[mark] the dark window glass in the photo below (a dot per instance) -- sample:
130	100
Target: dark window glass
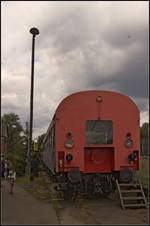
52	137
99	132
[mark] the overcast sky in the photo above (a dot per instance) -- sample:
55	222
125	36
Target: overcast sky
82	46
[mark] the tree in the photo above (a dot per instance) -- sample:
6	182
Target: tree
14	129
40	139
16	142
144	138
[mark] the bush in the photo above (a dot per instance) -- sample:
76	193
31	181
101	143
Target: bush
18	164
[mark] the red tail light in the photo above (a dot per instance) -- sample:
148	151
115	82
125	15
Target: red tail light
61	159
61	163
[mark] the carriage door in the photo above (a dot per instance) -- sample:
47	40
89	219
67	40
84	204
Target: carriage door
99	150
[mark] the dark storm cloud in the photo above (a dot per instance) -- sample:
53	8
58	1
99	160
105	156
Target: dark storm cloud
72	32
112	59
71	29
131	79
81	46
134	79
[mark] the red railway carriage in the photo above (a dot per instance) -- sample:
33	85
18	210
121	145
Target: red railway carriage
93	133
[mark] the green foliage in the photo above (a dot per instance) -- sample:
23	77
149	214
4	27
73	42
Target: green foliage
40	139
14	129
17	145
144	139
36	165
37	187
40	181
144	130
143	173
23	180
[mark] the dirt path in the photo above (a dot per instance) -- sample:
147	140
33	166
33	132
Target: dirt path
23	208
101	212
107	211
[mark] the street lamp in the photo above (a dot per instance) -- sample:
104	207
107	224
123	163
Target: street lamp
34	31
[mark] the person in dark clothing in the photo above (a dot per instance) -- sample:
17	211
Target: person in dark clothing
34	168
7	167
2	167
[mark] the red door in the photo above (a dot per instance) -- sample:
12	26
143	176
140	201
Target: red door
99	159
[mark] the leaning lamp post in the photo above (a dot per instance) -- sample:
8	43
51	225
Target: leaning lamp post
34	31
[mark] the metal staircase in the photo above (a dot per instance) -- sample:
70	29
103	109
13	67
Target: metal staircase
131	195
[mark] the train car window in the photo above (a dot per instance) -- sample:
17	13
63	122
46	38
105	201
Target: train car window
52	138
99	132
48	140
47	144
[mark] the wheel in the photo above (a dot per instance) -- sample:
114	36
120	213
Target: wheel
71	193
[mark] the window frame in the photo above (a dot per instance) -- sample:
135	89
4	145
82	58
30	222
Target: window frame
110	136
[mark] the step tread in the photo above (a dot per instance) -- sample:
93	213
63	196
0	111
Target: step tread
137	190
129	184
128	205
134	198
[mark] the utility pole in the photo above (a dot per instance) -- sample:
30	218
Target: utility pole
27	134
34	31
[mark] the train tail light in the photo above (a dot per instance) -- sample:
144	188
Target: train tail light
69	157
69	143
61	164
128	143
61	159
132	157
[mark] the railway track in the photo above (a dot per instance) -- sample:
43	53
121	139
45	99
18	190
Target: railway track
90	211
64	208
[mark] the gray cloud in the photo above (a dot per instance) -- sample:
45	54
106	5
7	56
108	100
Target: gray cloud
81	46
131	78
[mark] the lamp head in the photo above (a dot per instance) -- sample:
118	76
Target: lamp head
34	31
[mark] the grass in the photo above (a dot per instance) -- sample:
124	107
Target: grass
37	187
143	173
23	180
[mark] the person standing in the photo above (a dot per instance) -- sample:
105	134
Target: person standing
9	166
5	169
11	179
2	167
